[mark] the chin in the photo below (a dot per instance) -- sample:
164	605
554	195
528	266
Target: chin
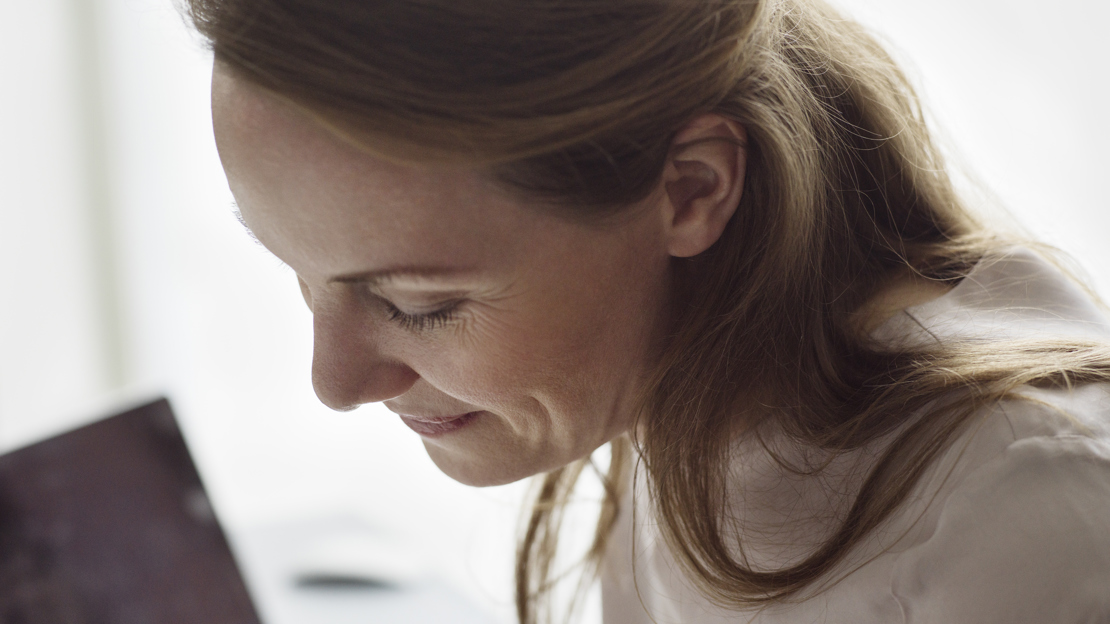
477	472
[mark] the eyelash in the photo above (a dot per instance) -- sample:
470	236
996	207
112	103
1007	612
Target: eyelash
422	322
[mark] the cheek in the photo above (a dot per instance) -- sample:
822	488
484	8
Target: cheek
568	346
568	336
503	358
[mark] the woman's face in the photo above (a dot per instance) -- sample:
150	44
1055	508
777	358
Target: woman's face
512	340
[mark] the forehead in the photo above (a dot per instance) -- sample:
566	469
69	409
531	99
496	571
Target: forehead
321	203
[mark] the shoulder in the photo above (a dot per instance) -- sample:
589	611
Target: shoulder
1025	535
1013	293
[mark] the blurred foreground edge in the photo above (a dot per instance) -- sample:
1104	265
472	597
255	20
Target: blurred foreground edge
109	524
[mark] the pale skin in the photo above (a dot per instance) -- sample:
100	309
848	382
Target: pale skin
439	293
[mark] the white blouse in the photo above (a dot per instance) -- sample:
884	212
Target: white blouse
1011	525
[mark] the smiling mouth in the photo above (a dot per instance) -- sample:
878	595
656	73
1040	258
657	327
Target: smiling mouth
436	427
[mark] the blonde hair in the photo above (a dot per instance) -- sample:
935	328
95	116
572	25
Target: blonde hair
576	103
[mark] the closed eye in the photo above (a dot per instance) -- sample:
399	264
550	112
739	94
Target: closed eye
422	322
239	217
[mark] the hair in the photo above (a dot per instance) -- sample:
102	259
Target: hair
576	103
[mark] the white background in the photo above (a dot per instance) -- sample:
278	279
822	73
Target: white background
125	274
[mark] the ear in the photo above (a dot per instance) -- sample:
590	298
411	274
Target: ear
703	180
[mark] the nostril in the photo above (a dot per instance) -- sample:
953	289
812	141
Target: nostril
349	367
344	386
329	400
305	293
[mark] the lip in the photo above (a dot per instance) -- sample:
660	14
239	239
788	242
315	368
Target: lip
440	426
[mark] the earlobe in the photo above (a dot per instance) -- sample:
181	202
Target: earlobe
703	181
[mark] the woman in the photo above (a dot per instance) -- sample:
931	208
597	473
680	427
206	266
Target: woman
713	234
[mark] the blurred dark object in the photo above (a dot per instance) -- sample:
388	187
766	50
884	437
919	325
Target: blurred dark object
109	524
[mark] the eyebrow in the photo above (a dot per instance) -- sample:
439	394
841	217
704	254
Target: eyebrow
369	277
388	275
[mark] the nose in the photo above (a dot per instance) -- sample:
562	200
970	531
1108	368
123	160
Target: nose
348	366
